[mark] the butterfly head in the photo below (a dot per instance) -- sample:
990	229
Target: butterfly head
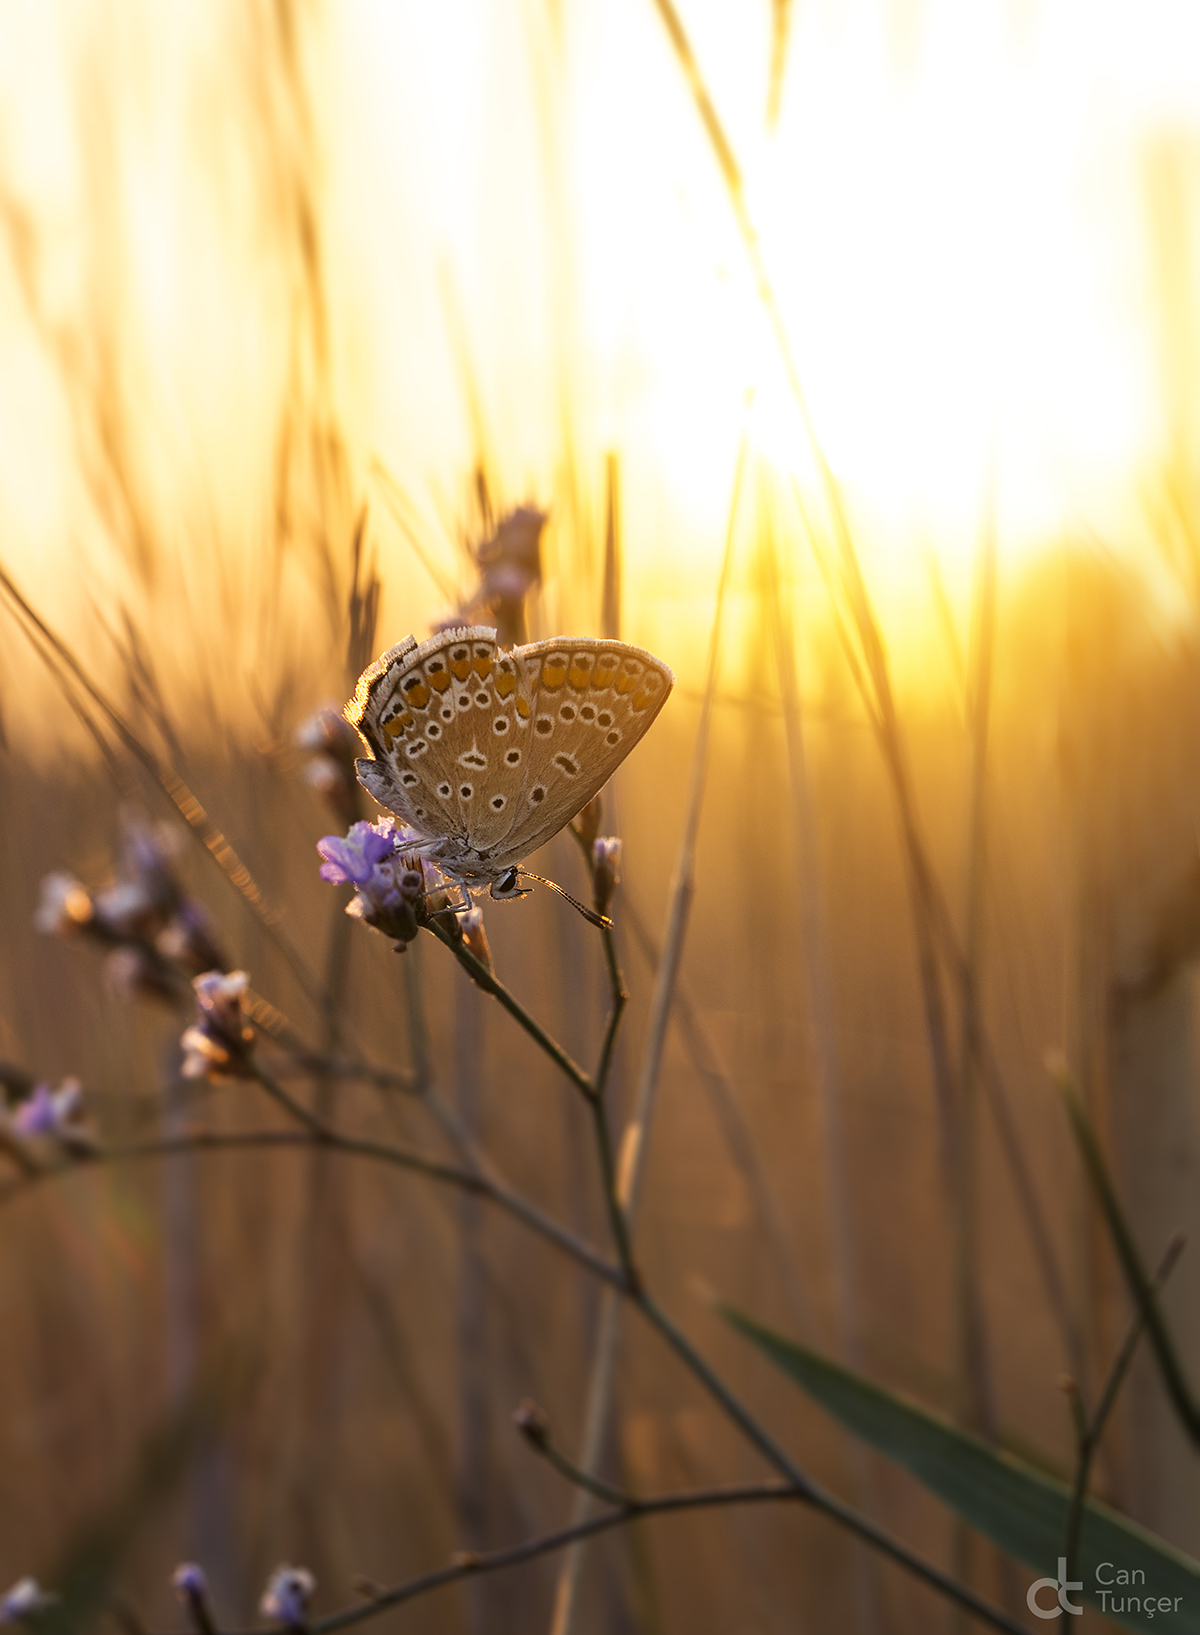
508	885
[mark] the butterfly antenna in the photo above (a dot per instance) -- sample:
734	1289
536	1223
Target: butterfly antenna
601	920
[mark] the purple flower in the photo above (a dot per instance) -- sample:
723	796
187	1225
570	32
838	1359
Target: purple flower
353	860
218	1042
390	886
286	1597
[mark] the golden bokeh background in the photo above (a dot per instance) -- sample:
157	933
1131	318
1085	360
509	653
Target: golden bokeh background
920	299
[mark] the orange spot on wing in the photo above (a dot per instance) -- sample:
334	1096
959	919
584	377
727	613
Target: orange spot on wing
394	727
439	678
483	665
627	681
505	683
523	709
416	692
579	676
461	668
554	673
606	669
640	700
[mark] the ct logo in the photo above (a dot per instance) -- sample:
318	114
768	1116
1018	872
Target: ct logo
1060	1586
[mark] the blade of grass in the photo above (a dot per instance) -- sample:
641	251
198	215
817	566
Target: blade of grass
1141	1288
631	1168
814	950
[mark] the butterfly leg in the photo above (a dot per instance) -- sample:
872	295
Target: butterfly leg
464	907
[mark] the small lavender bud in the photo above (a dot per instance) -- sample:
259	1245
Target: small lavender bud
54	1116
220	1040
533	1423
606	871
25	1602
188	1581
286	1597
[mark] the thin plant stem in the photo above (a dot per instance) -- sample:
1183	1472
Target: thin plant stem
315	1125
201	1141
467	1566
978	1408
935	911
820	1500
1140	1285
619	999
623	1201
485	979
815	963
702	1499
541	1443
172	785
731	1120
1088	1433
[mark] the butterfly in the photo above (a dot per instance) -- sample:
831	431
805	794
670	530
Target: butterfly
485	754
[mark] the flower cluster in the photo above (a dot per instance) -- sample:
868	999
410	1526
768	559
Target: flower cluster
390	885
142	916
332	746
219	1042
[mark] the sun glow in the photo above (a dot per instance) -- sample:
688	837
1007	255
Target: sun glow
525	240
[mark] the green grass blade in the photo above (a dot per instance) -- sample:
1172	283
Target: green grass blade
1021	1510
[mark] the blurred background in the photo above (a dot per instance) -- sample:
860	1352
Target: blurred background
892	302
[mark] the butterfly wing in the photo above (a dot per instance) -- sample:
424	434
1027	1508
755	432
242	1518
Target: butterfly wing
492	752
589	703
425	711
